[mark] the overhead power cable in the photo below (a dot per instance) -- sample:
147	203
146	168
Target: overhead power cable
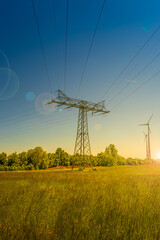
55	33
34	124
130	61
41	43
137	88
143	56
66	42
142	70
34	128
18	132
24	118
90	47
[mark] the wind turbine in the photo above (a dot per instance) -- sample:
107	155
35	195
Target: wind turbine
148	136
146	141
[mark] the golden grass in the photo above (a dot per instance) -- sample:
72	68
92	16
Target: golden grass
121	202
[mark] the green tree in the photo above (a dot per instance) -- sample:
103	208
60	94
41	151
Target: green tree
38	158
111	150
23	159
13	159
105	159
3	159
121	160
61	157
51	159
131	161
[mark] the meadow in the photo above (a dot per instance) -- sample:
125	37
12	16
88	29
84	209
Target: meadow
121	202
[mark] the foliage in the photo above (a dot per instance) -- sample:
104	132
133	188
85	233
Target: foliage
131	161
111	151
121	160
13	160
3	159
61	157
37	158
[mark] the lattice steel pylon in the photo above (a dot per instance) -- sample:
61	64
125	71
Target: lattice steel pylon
82	145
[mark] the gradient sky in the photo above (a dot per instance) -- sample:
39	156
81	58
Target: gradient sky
124	27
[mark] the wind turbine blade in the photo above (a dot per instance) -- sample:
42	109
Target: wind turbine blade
143	124
150	118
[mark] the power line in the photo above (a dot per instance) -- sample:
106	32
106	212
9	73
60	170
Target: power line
55	32
131	93
133	69
33	127
17	118
41	43
144	68
143	56
131	60
18	114
18	131
35	124
66	38
90	47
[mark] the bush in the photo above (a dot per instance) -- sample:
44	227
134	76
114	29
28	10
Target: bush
80	169
131	161
29	167
2	168
121	160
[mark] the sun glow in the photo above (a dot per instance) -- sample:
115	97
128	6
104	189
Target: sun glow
158	155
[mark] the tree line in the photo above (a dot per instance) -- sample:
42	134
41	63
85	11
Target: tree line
37	158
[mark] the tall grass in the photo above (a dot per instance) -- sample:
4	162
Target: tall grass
121	202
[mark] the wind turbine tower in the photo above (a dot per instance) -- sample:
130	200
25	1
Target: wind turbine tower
146	141
148	136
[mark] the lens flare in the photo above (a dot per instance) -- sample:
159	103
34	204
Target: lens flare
145	28
4	62
4	80
30	96
9	83
41	101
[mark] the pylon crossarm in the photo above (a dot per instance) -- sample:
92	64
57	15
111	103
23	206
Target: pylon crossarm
63	99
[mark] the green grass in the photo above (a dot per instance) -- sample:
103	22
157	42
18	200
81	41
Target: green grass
121	202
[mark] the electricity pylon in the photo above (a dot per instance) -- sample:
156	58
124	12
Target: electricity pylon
148	136
146	142
82	144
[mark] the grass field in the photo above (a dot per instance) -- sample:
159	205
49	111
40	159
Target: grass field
121	202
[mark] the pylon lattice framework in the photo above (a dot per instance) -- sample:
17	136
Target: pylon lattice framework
82	145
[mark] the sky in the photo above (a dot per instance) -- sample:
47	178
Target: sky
124	27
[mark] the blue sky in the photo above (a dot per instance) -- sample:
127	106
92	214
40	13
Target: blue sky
123	29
